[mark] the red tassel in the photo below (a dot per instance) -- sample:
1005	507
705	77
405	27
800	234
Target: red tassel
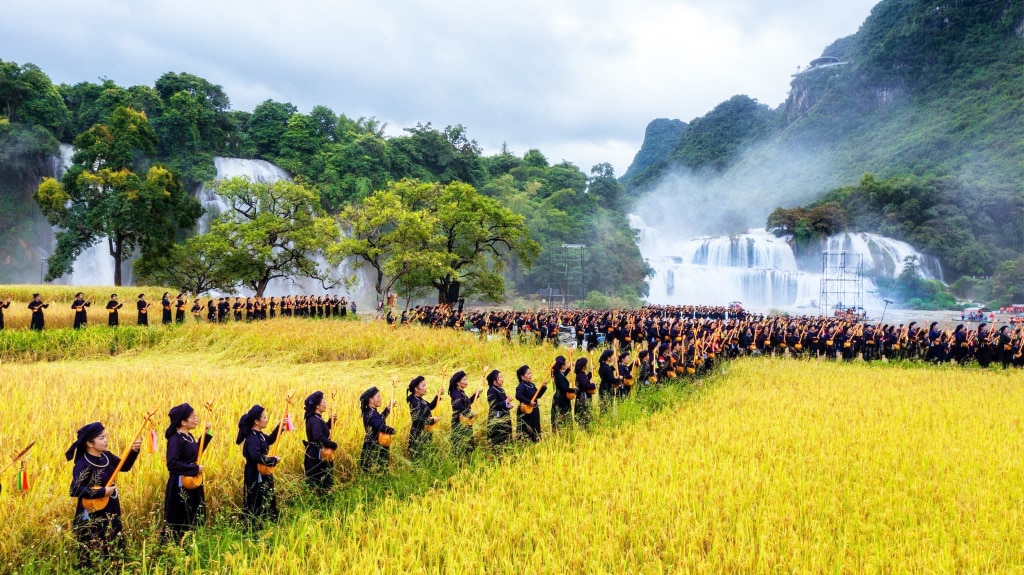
152	441
23	478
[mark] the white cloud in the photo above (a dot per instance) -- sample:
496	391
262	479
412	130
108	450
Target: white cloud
577	79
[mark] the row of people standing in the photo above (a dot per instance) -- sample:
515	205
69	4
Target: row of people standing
174	309
99	531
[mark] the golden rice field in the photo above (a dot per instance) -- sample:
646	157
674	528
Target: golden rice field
60	314
775	466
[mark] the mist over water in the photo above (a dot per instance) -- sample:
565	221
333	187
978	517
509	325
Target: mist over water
704	236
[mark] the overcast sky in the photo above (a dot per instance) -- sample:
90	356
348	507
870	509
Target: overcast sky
578	79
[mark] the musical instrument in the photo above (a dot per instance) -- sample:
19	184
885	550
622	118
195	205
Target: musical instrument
197	481
17	457
527	409
100	503
327	453
384	439
272	452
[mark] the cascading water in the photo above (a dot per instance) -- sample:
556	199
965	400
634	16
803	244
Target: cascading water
254	170
266	172
95	266
760	269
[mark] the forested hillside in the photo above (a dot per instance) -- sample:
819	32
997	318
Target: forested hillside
343	160
927	98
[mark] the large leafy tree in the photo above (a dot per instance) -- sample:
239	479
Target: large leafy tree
386	234
271	231
477	235
194	124
110	192
196	266
28	97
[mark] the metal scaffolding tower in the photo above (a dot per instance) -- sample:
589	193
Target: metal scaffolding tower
572	273
842	282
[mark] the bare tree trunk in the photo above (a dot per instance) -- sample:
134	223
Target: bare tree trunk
115	252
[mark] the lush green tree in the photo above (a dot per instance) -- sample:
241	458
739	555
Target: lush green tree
1008	282
109	192
28	97
267	125
444	155
193	126
476	235
386	234
196	266
273	230
605	187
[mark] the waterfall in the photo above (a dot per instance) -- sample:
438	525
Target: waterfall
760	269
95	265
266	172
254	170
882	255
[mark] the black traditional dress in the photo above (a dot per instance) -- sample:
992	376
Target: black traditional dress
184	509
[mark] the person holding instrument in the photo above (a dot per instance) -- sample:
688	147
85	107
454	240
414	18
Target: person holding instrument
527	394
462	414
376	453
561	405
184	508
36	305
112	306
142	307
79	305
609	382
259	498
318	459
421	412
585	396
499	422
99	532
4	305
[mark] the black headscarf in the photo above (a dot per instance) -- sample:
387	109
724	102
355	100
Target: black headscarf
85	434
416	381
581	364
522	371
312	402
605	355
493	377
246	422
453	383
559	364
177	414
365	397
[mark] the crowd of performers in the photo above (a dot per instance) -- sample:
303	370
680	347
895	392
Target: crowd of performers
667	331
213	309
682	338
630	349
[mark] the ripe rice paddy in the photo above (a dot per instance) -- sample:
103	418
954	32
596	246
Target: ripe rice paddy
772	466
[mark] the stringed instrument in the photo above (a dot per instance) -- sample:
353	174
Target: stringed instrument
527	409
100	503
570	395
17	457
384	439
272	452
467	418
197	481
431	427
327	453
